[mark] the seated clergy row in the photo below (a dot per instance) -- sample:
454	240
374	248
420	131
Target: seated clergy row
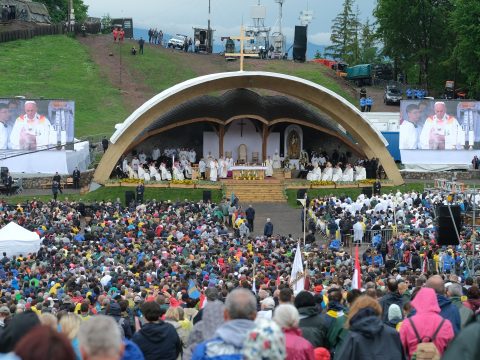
336	174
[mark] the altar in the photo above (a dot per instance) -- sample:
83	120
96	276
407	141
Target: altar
248	172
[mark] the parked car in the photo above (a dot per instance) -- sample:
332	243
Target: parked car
177	42
392	95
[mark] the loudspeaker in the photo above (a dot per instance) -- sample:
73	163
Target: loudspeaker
367	191
3	173
446	229
301	193
129	197
207	195
300	43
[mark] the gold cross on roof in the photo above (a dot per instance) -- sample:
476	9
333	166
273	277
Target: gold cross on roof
241	54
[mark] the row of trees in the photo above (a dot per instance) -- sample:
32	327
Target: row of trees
429	41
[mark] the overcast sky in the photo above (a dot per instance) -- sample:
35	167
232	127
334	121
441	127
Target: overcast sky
179	16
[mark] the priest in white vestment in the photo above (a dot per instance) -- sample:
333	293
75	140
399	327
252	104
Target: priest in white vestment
165	173
141	172
269	165
188	170
360	173
277	164
202	168
177	172
131	173
229	163
213	170
327	173
337	173
146	175
315	174
348	173
192	156
154	174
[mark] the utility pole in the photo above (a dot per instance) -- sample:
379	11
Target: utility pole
70	16
209	43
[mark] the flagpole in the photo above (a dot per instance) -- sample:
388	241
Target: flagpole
304	222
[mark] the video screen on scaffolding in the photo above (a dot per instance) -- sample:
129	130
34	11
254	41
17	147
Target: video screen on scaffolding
32	124
439	124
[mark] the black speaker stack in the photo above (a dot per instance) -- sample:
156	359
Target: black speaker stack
446	230
129	197
300	44
207	196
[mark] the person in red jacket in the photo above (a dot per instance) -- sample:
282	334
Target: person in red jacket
115	34
426	322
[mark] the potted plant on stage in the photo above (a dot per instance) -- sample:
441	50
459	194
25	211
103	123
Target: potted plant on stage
322	184
185	184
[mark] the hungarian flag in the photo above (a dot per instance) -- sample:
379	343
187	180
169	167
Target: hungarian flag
357	273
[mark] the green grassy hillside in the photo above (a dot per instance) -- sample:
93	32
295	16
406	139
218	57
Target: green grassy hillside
62	67
58	67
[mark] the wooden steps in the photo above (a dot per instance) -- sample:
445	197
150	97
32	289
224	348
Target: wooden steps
268	190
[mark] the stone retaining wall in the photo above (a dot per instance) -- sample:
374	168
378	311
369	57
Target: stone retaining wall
38	182
461	175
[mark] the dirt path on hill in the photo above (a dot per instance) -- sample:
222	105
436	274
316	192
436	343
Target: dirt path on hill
135	91
106	56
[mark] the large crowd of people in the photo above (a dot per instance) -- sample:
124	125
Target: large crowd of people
163	280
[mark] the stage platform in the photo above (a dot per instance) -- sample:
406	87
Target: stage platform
47	161
437	160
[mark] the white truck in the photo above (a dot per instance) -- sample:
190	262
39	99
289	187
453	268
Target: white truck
177	41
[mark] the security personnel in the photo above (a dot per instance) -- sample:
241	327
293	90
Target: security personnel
76	178
140	190
368	104
363	103
408	92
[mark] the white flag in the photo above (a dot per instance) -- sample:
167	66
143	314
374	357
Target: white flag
302	201
297	277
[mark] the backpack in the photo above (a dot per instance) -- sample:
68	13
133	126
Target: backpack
426	349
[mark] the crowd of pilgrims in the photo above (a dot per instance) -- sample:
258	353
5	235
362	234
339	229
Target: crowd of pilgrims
166	273
178	164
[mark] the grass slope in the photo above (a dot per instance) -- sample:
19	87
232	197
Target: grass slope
160	69
58	67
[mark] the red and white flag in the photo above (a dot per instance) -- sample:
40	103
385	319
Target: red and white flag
357	273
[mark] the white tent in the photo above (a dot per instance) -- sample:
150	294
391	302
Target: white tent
16	240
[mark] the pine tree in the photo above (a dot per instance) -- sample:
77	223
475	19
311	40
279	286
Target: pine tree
344	35
368	44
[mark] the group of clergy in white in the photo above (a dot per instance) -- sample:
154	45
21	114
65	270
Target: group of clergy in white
179	153
217	168
336	174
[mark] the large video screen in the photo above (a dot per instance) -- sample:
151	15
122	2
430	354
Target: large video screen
36	124
439	124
